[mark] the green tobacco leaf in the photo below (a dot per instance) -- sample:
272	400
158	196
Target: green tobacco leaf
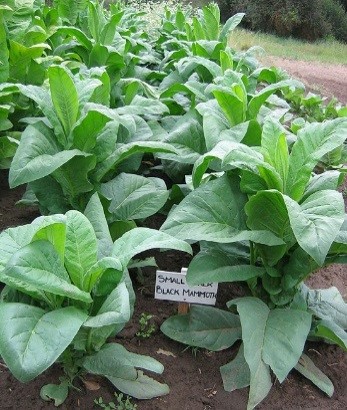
236	375
4	53
49	195
259	99
316	222
214	122
127	150
267	211
95	213
113	359
328	180
56	392
87	129
232	154
64	97
143	387
77	34
204	326
307	368
314	141
13	239
42	98
214	212
39	265
142	239
73	177
31	340
115	309
211	23
230	25
188	138
22	60
144	106
232	104
275	144
269	341
80	247
134	196
327	304
54	233
329	330
70	10
218	263
107	265
297	269
38	155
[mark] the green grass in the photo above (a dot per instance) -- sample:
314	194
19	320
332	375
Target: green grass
325	51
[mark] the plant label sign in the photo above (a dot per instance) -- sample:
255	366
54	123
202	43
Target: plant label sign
173	286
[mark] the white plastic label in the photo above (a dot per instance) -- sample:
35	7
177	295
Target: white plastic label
173	286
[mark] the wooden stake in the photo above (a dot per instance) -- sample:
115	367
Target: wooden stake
183	308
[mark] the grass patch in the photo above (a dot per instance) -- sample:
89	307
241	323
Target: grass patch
324	51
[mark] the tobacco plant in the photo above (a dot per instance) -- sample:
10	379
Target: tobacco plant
67	292
269	221
81	146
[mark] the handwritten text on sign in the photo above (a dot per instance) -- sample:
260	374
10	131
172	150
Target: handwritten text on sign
173	286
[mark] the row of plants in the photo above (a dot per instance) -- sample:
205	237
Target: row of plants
107	122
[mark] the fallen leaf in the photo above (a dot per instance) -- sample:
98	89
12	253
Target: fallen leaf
165	353
91	385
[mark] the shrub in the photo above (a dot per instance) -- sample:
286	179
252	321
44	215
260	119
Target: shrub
306	20
337	17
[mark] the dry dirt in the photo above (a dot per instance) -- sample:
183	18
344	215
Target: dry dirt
195	382
326	79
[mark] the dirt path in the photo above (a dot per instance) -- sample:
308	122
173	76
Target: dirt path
326	79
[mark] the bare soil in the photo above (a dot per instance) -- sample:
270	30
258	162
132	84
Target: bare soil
194	379
326	79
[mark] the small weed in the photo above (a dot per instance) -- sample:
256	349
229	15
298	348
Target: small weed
123	403
146	327
194	350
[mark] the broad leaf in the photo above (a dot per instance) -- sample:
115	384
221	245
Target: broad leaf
236	375
38	155
95	213
31	339
113	356
115	309
266	210
204	326
127	150
274	143
64	97
214	212
134	197
308	369
269	341
230	25
87	129
330	331
314	141
143	387
259	99
4	53
39	265
316	222
219	263
327	304
142	239
80	247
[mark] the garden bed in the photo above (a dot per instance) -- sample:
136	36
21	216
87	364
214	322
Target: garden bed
193	375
